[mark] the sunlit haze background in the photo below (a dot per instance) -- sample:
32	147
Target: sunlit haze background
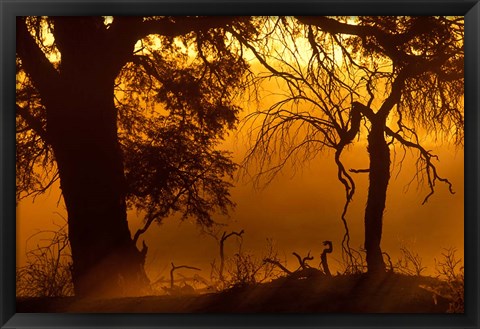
298	210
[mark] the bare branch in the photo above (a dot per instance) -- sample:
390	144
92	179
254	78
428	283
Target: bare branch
34	123
359	171
174	268
430	168
173	26
323	256
224	238
278	264
303	261
36	65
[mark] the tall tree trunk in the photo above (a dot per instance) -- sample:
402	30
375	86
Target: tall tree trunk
379	176
83	131
82	127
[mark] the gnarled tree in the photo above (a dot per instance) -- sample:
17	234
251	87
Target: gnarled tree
386	80
125	111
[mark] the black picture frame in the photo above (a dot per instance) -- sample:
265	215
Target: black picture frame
9	9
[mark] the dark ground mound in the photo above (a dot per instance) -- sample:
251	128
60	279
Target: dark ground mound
391	293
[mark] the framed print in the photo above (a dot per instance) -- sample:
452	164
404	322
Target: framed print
239	164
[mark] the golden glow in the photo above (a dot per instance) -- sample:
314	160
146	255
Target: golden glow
302	206
46	42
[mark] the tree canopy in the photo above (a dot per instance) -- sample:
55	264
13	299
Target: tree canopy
126	112
390	81
174	98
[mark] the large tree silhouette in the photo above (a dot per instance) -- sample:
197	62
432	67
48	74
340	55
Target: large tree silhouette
388	80
122	119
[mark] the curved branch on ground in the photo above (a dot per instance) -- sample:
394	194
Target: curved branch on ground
174	268
323	256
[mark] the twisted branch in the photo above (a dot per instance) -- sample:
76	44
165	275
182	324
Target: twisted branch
426	156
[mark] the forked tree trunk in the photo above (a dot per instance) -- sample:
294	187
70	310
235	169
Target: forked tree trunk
379	176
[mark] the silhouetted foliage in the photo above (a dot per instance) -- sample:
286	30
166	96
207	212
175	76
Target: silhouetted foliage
244	267
47	272
174	112
450	270
409	262
35	166
126	112
129	112
387	80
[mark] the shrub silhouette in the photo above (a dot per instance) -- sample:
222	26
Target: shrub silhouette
410	262
450	270
48	269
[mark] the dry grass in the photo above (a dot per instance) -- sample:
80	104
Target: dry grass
48	269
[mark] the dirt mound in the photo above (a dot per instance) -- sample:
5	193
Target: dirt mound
391	293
